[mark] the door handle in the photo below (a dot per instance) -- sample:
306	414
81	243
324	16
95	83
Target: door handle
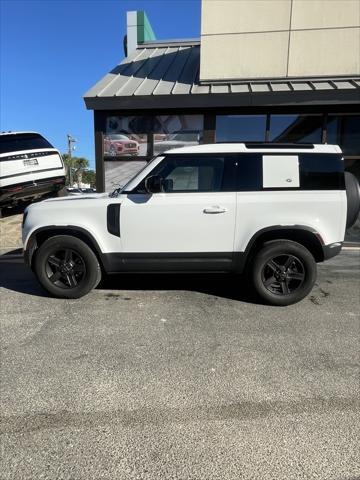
214	209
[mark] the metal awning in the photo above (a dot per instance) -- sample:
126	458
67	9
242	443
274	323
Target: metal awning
166	75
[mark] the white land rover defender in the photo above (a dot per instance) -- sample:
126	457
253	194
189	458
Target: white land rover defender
268	210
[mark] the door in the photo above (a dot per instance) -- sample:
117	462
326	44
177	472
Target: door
193	219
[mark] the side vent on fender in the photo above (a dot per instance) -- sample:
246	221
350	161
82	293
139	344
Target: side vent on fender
113	219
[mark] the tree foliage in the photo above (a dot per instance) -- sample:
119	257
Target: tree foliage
80	170
89	177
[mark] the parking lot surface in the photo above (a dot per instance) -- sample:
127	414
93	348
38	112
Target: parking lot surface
162	377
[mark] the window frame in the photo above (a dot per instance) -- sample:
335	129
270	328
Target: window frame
228	176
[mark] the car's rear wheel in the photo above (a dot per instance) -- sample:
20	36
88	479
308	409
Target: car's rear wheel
67	267
283	272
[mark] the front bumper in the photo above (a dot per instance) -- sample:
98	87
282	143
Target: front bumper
331	250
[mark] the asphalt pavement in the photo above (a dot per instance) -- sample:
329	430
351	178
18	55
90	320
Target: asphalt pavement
180	377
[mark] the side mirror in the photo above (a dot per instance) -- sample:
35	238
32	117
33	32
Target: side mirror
154	184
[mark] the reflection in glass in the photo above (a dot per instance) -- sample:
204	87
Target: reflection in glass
175	131
296	128
119	172
116	145
240	128
126	136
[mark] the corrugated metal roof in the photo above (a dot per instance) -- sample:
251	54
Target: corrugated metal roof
157	70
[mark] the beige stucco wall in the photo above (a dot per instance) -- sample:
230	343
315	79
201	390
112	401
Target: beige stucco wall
279	38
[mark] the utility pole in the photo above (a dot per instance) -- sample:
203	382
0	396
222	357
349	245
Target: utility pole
71	147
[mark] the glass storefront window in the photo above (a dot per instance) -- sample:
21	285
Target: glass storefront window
296	128
240	128
174	131
126	137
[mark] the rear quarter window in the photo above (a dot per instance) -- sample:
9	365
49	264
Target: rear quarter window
321	171
318	171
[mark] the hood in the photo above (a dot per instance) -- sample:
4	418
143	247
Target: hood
74	198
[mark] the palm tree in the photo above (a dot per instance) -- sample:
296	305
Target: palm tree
77	164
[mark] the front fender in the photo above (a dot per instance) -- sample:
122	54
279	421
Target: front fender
37	235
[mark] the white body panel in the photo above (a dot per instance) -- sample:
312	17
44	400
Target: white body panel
281	171
242	148
88	213
322	211
178	222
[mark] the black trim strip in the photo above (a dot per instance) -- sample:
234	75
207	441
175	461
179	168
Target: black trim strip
28	173
24	156
168	262
277	146
332	250
113	219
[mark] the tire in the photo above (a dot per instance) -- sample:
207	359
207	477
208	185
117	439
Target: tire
283	272
66	267
353	199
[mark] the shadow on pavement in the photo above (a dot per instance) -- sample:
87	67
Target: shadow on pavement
15	276
228	286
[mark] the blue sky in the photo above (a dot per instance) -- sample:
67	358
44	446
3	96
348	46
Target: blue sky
53	51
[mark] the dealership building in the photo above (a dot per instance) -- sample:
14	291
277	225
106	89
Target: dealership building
268	70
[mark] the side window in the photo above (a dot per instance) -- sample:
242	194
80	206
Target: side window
195	173
321	171
249	172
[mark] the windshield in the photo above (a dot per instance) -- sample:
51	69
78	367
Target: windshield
23	141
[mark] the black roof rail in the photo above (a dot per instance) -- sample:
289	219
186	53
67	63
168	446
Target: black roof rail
278	145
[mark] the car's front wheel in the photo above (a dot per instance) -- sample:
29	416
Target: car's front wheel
283	272
67	267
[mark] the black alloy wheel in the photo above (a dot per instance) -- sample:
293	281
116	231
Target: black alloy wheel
283	274
65	268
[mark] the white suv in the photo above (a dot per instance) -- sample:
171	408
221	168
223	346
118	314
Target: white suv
30	168
270	211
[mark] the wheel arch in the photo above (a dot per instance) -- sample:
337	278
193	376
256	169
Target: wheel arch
40	235
306	236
